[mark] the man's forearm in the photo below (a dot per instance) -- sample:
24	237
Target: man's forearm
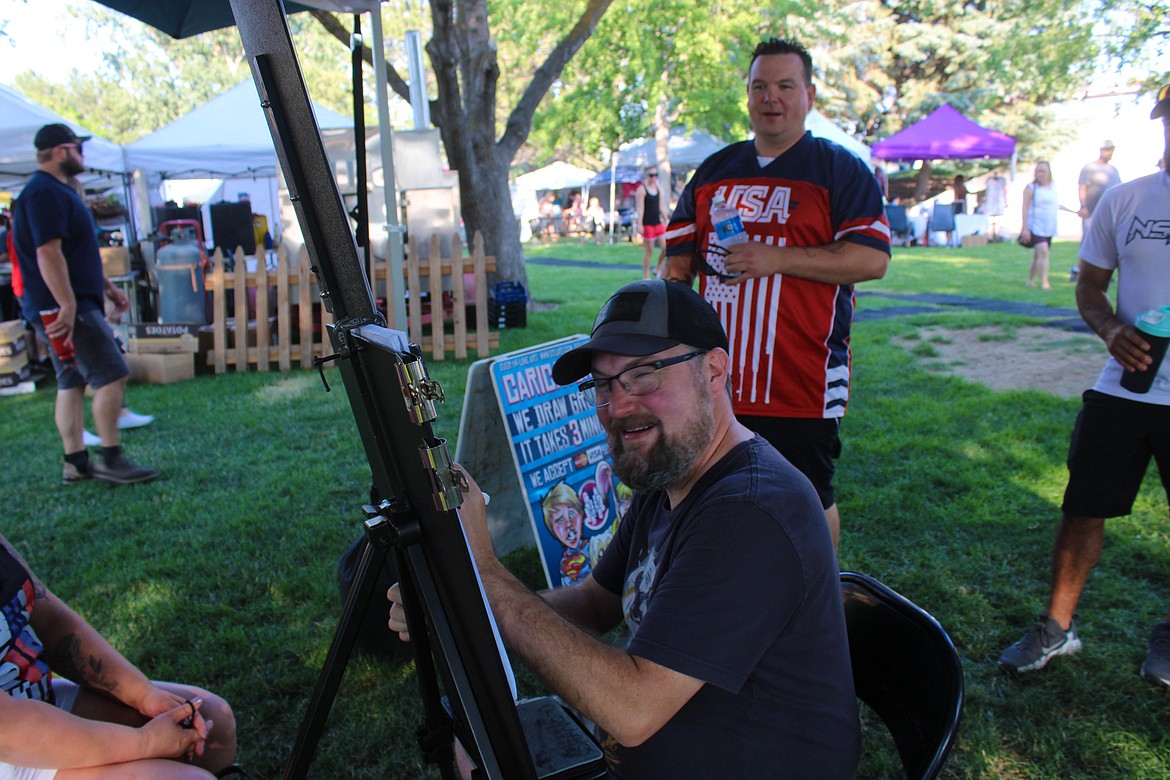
628	697
841	262
1096	310
558	652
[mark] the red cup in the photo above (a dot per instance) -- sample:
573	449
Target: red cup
63	348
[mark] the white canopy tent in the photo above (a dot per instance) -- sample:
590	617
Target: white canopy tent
555	176
227	138
558	175
685	150
20	118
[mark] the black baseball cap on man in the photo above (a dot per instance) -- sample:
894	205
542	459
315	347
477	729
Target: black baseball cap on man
1162	107
643	318
54	135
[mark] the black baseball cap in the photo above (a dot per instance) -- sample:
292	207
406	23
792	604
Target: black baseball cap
643	318
54	135
1162	107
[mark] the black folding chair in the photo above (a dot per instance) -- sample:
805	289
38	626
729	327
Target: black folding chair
943	220
906	669
899	223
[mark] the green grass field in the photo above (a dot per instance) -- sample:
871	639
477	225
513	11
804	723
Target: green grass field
224	572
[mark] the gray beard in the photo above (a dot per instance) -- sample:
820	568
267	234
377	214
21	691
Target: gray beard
671	458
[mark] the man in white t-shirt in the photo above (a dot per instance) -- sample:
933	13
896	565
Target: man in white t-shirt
1117	431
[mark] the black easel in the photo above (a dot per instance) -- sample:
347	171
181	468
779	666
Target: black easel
410	466
393	402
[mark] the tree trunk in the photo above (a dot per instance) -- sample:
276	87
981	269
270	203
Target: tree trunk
463	57
662	129
922	184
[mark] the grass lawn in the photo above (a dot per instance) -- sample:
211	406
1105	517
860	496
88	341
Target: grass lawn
224	572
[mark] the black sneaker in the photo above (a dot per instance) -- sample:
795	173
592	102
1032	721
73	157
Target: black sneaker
1156	669
71	474
1044	641
121	471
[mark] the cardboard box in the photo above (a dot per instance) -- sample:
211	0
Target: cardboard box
11	331
10	348
14	378
161	338
115	260
161	369
974	240
12	363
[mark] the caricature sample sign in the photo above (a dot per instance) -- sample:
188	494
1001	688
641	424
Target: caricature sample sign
562	460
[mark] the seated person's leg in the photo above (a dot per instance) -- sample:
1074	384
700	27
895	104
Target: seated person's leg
153	769
220	749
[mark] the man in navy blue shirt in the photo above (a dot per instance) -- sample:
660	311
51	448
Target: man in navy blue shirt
56	246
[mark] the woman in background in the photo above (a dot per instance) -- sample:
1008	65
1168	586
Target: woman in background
1039	223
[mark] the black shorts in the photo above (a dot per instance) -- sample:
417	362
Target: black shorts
810	444
99	354
1110	451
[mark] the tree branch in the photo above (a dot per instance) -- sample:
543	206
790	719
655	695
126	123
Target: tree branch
339	31
520	120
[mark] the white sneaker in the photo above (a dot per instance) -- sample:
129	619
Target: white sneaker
90	440
129	419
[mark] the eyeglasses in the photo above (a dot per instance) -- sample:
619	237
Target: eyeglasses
72	146
639	380
651	174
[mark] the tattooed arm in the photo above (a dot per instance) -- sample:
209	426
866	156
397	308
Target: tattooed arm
77	652
37	734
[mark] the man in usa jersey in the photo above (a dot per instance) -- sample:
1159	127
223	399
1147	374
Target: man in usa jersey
814	215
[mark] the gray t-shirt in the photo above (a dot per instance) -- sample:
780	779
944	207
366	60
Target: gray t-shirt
1130	234
1097	177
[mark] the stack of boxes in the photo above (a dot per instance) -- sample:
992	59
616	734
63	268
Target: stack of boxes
508	305
14	369
162	352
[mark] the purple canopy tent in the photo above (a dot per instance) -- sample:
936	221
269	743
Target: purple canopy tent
945	135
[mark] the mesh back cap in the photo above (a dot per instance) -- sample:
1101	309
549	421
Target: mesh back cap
642	318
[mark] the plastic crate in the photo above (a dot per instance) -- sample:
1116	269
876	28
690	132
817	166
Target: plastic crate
509	292
508	305
507	315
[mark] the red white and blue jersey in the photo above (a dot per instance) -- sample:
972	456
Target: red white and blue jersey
789	337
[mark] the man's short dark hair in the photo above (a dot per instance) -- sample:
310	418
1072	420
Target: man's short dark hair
783	46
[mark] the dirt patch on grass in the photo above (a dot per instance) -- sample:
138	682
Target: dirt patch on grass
1051	360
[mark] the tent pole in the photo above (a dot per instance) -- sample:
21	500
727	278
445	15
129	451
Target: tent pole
612	195
395	301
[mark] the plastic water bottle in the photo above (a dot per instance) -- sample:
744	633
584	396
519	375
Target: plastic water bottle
727	223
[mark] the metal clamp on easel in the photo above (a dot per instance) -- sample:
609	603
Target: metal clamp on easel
343	331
